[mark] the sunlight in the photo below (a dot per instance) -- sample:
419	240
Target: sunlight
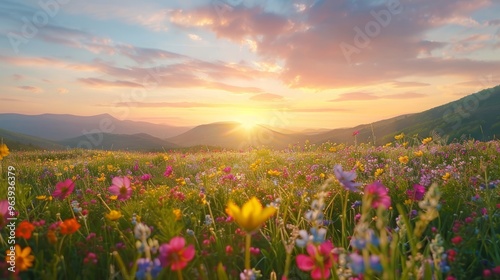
248	122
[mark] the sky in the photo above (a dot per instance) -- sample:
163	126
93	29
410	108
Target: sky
293	64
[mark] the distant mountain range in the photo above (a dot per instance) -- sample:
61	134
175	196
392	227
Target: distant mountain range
474	116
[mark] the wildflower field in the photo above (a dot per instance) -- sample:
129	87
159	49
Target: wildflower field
411	209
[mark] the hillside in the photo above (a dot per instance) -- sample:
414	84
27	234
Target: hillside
474	116
107	141
60	127
233	135
19	141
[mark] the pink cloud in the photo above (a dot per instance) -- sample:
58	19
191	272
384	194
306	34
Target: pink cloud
31	89
398	84
363	96
100	83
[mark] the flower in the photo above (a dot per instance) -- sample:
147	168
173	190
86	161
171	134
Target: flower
146	177
168	171
378	194
417	193
319	260
64	189
399	136
4	151
356	132
177	214
121	188
175	255
251	216
418	153
427	140
21	257
69	226
113	215
346	178
5	213
403	159
24	229
379	172
446	176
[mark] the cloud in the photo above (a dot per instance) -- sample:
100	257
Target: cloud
194	37
17	77
319	110
398	84
62	91
267	97
31	89
170	105
100	83
11	100
362	96
308	42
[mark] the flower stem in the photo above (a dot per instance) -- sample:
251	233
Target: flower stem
248	242
179	274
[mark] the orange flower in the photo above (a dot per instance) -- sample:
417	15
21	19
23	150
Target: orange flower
24	229
51	236
21	257
69	226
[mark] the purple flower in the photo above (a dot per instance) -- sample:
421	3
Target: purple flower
346	178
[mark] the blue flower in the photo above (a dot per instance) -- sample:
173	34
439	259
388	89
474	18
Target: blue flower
346	178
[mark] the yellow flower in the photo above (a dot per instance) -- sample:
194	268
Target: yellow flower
113	215
113	197
399	136
251	216
427	140
4	151
360	166
379	172
388	144
41	197
446	176
22	258
177	214
403	159
405	144
332	149
273	172
418	153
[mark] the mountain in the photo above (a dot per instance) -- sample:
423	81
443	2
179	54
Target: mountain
107	141
60	127
474	116
233	135
19	141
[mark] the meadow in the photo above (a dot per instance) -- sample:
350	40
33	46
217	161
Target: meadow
411	209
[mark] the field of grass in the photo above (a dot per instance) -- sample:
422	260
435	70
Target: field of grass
411	209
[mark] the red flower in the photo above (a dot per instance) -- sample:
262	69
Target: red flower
456	240
24	229
64	189
175	255
319	261
69	226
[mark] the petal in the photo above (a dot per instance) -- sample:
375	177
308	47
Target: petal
177	243
233	210
311	250
304	262
117	181
188	253
126	181
319	273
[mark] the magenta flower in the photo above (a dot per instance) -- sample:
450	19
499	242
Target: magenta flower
319	260
64	189
146	177
417	193
175	254
378	194
5	213
168	171
346	178
121	188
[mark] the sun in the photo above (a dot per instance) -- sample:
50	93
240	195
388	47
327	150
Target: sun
248	123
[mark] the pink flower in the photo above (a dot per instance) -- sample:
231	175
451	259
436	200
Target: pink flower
121	188
378	194
146	177
64	189
5	213
175	255
168	171
319	261
417	193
